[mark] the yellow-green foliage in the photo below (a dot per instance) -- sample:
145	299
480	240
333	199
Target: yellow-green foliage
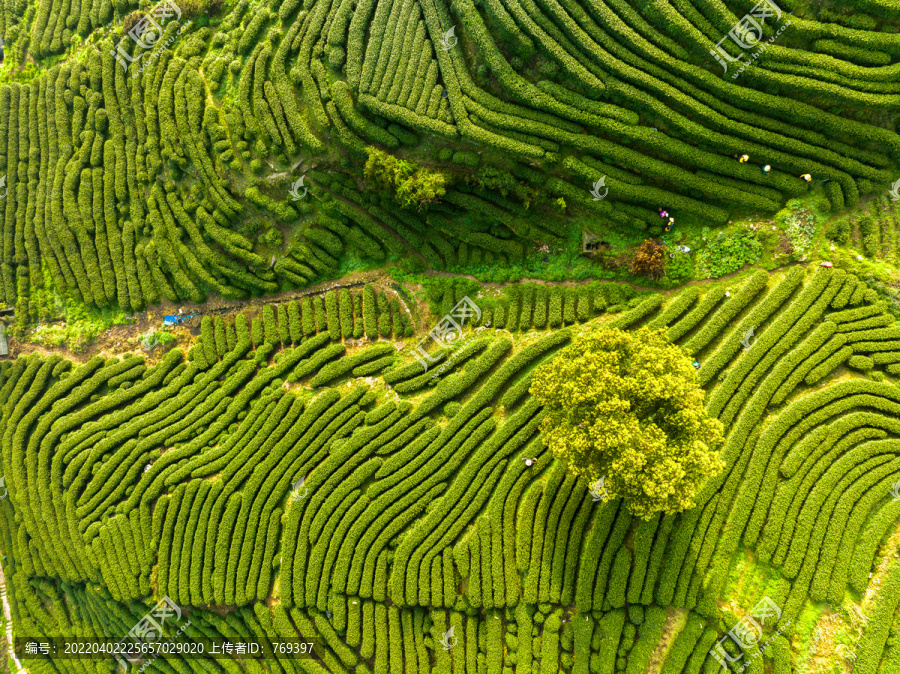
412	185
627	407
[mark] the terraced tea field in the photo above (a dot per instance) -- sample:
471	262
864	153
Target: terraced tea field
303	472
418	513
140	170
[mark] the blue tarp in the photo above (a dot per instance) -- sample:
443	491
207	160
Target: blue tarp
174	319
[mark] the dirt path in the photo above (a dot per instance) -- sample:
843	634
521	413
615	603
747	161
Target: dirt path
124	338
7	616
640	288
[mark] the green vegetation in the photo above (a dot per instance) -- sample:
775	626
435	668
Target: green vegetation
153	338
175	178
627	407
295	471
411	185
800	225
729	252
76	326
405	527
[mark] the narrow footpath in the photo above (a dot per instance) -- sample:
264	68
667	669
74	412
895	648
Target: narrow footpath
7	616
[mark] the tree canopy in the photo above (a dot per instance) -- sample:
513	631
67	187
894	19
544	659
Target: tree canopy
411	184
648	259
627	407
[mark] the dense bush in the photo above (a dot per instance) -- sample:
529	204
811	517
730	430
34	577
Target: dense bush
728	252
648	259
644	387
180	476
410	184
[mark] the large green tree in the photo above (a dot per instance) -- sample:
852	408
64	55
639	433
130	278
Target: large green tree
627	408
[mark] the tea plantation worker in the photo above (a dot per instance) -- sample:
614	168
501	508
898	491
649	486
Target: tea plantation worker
807	177
743	159
766	169
530	462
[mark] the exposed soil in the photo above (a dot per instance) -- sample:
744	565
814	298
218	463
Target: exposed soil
124	338
784	246
675	622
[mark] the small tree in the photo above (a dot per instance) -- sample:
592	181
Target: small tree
627	407
649	259
410	184
131	20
